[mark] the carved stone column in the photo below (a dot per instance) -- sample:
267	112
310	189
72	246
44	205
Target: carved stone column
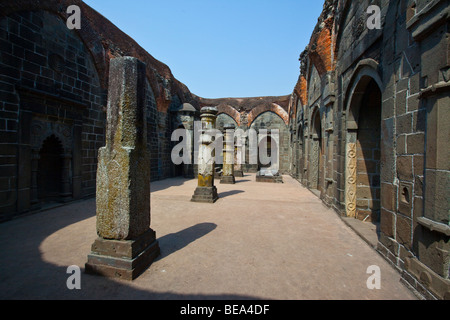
238	158
228	156
126	245
206	191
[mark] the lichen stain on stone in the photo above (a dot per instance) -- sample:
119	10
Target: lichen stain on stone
205	181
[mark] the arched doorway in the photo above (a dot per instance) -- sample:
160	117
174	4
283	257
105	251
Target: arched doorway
300	153
50	170
364	151
316	153
269	124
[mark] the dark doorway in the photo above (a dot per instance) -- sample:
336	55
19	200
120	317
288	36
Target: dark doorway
50	170
368	154
316	158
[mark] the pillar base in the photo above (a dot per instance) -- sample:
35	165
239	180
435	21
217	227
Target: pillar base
205	194
227	180
238	173
269	179
124	259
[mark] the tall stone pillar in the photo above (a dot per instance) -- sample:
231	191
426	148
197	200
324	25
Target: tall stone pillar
126	245
238	158
228	156
206	191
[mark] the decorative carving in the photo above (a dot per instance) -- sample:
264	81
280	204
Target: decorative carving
314	177
350	199
41	130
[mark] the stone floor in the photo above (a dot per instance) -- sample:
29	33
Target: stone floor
258	241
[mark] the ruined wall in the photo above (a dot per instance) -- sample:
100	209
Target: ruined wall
49	86
371	99
53	94
256	113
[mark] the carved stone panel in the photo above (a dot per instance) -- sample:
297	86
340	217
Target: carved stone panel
41	130
350	178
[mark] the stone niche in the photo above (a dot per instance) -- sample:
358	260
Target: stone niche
50	151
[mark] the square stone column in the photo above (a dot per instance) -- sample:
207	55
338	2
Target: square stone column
238	165
126	245
206	191
228	156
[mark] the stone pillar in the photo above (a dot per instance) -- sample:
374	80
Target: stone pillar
206	191
189	168
238	158
238	165
228	156
126	245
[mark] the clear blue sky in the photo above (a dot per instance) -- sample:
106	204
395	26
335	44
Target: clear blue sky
221	48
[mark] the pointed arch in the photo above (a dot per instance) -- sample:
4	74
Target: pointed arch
230	111
273	107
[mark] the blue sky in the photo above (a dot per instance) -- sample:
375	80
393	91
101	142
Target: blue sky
221	48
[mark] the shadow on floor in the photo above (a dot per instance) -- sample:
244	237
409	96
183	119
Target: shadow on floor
229	193
167	183
173	242
240	181
25	275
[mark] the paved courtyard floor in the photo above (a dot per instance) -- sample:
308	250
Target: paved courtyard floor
258	241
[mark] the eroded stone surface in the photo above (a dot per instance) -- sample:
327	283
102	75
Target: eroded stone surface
123	174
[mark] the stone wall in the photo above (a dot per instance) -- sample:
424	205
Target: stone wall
373	102
53	93
49	86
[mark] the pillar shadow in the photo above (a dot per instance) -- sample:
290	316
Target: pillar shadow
173	242
167	183
240	181
26	275
229	193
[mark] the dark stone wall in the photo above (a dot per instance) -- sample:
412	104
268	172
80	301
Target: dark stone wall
48	85
407	170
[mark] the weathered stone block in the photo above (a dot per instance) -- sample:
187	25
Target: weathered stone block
123	259
404	124
387	222
403	230
404	168
415	143
437	202
205	194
